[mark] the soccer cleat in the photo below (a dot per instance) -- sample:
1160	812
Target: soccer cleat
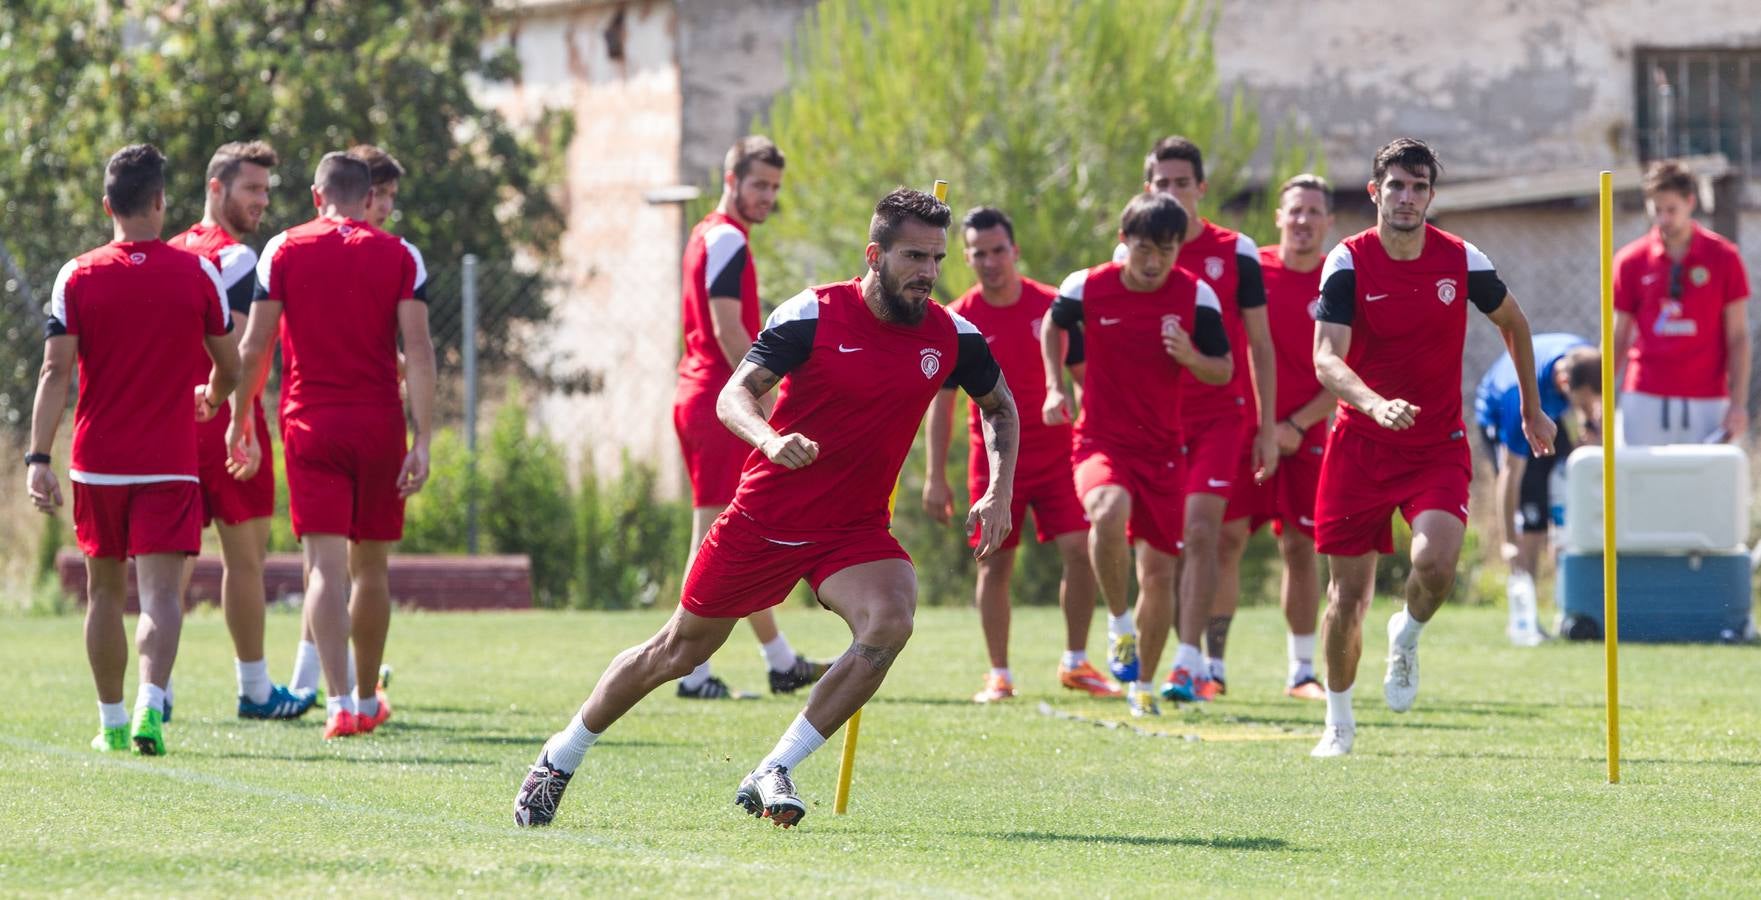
148	733
1400	687
803	673
1180	686
384	677
1084	678
713	688
996	687
1208	689
535	804
1335	741
1306	689
1142	703
111	740
167	716
282	704
384	714
1123	662
770	794
344	724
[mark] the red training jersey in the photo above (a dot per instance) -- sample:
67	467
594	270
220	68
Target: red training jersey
1132	389
857	386
1290	308
237	265
1228	261
1013	335
1408	325
1678	313
339	282
140	310
717	263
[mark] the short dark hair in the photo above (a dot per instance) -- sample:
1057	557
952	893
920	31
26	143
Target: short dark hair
981	218
226	161
1670	175
1410	154
382	167
1174	147
132	177
1583	369
1307	181
902	204
342	178
1158	217
748	150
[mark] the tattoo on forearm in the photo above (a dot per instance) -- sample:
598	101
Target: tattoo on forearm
758	381
878	657
1217	634
999	439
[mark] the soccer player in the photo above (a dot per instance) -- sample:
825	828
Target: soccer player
1228	428
1008	310
1389	329
1681	323
859	362
1292	273
719	309
237	196
1145	323
131	313
348	293
1568	378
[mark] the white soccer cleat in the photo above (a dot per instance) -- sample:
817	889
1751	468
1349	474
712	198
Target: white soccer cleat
1335	741
1401	685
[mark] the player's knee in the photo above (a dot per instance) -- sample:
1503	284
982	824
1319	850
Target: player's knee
1108	513
1435	573
890	625
1201	535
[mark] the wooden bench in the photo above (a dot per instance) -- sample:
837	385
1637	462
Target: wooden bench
440	583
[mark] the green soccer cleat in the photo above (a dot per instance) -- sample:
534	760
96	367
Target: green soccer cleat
149	731
111	740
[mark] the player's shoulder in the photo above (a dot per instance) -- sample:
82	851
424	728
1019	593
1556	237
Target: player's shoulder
1084	284
1203	295
1269	258
803	307
1039	289
1721	245
965	303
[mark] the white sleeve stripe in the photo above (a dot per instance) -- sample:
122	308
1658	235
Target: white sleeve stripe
421	267
1339	260
1244	246
268	257
58	294
804	305
1073	284
719	246
1476	261
219	290
1121	253
236	262
1207	298
961	325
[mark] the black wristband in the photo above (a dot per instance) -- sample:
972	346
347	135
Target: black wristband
31	459
1291	421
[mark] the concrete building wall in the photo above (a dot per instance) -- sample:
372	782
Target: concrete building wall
733	58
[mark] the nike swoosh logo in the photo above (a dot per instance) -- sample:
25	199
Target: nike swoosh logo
1369	297
1464	509
844	349
1216	482
788	543
1305	521
1107	321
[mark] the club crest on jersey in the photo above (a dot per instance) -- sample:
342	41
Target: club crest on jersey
1699	276
137	258
1213	267
1446	290
930	361
345	230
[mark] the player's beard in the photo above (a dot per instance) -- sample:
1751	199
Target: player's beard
236	219
892	294
750	212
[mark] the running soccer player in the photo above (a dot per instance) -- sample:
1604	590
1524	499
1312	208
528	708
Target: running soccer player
719	309
348	293
1389	330
1008	310
1228	428
237	196
859	362
130	314
1292	273
1145	323
1569	379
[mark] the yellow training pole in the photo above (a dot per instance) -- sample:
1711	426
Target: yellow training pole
853	728
1610	605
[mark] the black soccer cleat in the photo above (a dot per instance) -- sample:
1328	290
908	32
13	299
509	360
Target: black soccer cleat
713	688
803	673
770	794
536	802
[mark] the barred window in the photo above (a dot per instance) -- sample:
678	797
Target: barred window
1699	101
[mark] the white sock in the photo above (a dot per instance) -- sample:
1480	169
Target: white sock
150	696
334	705
1188	657
1409	628
368	707
568	747
798	742
112	715
306	670
778	653
253	680
1073	658
697	677
1121	624
1339	709
1143	687
1302	656
1215	666
1004	672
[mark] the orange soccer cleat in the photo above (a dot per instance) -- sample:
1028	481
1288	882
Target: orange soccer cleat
996	687
1085	677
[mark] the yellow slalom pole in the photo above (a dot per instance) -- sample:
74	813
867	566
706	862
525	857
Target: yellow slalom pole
853	728
1610	604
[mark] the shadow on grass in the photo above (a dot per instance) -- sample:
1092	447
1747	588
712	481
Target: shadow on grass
1139	840
417	760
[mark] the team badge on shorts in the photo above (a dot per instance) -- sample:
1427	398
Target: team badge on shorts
1213	267
930	361
1446	290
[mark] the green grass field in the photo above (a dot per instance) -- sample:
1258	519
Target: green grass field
1493	785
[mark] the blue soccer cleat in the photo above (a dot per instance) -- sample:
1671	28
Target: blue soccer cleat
282	704
1123	660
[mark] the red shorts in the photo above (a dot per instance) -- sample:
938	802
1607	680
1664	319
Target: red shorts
1219	453
342	469
117	521
1158	504
739	571
224	497
713	455
1288	500
1051	492
1363	482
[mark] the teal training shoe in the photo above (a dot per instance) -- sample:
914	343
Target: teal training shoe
111	740
149	731
282	704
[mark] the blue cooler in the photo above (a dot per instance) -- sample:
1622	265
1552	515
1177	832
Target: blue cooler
1698	597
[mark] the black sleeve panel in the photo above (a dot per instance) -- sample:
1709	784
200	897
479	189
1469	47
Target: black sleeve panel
1066	313
1207	332
976	371
785	347
726	283
1338	303
53	327
1486	289
1075	351
241	293
1250	282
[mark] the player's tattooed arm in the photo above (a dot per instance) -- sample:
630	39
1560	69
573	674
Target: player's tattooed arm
1002	439
881	658
740	407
